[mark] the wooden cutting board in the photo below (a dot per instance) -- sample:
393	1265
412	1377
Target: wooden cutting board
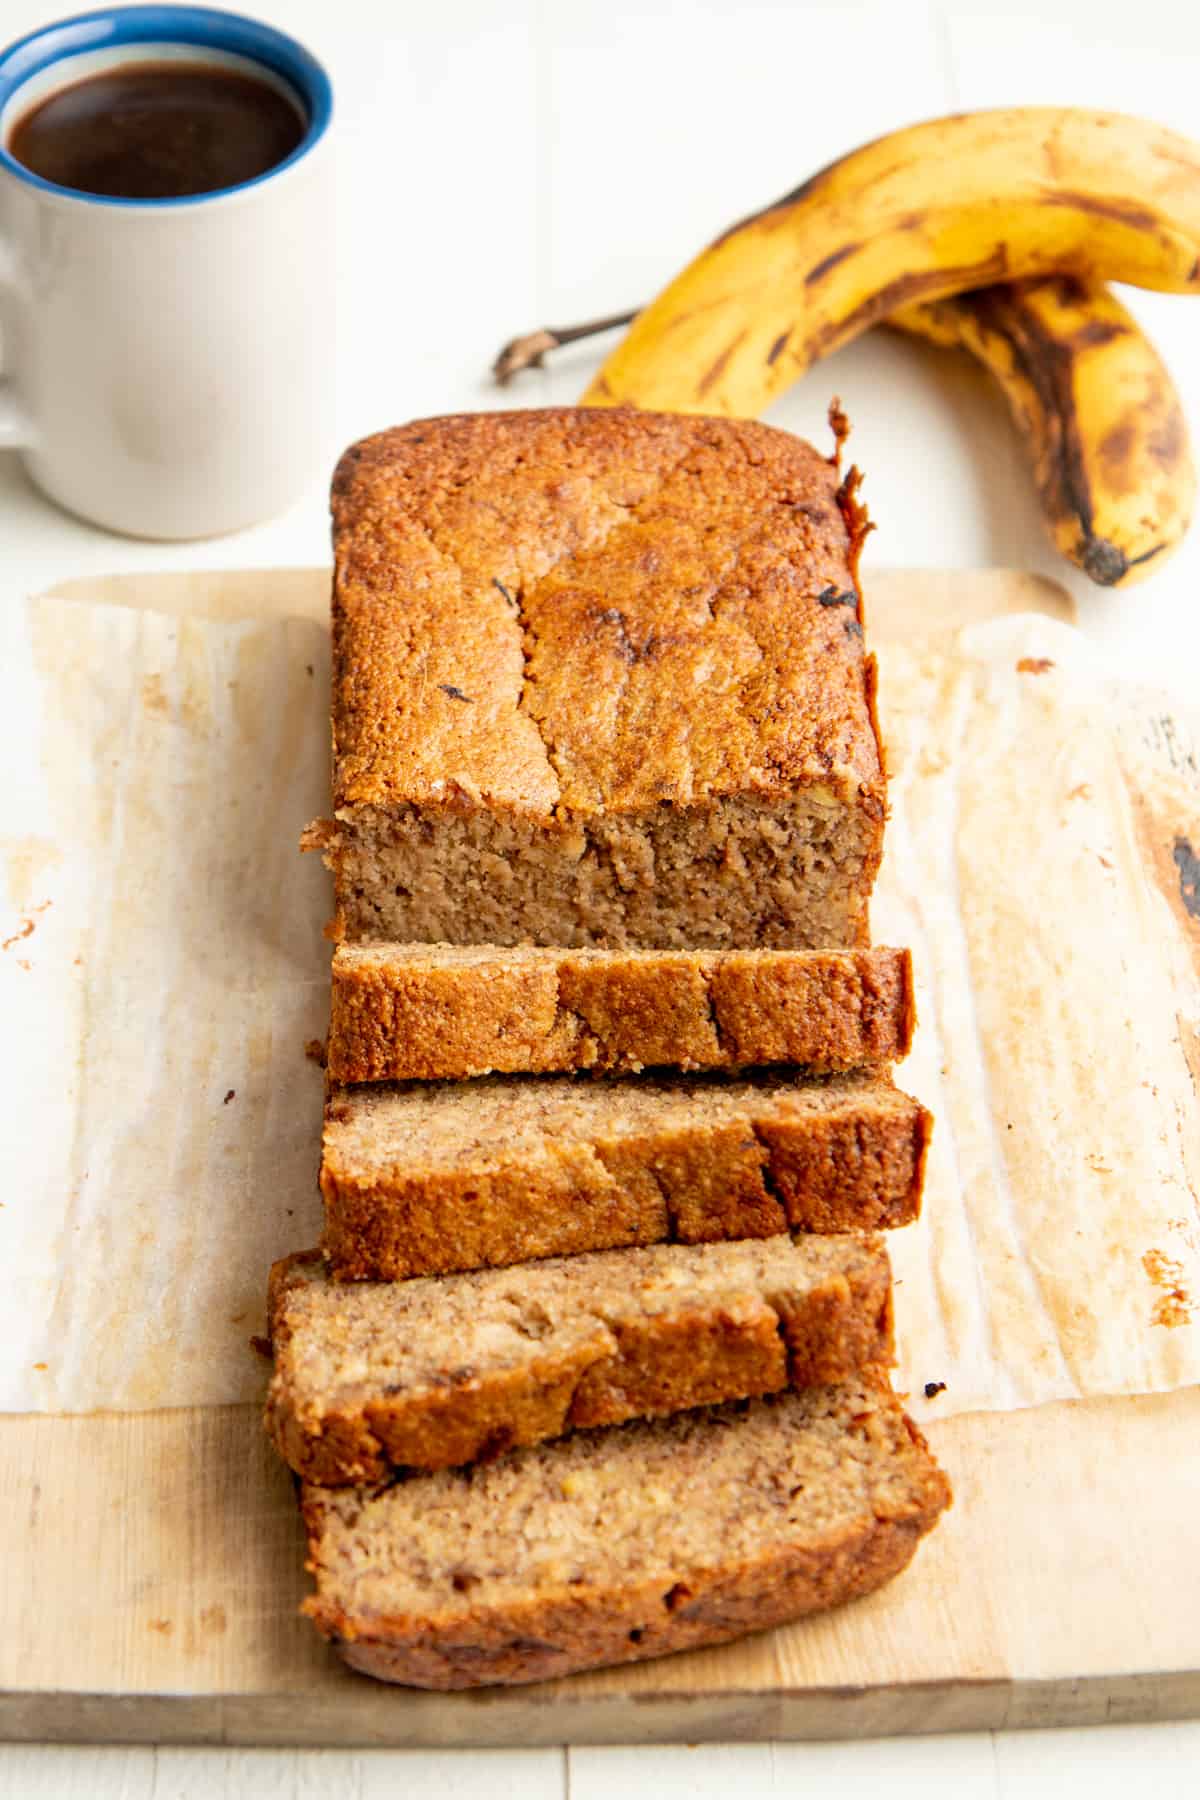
152	1563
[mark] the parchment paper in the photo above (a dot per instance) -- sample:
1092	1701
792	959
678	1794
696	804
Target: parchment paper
1034	863
167	966
164	969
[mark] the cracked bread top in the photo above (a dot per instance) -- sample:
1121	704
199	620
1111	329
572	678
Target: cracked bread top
573	613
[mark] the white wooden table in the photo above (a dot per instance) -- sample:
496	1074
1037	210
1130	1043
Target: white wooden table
511	163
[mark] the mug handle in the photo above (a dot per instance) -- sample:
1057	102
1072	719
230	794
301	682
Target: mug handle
16	430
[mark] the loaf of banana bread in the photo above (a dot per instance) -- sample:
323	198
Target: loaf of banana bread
374	1376
611	1546
429	1177
599	679
405	1012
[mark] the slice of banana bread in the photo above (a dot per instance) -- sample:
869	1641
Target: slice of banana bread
612	1546
426	1178
405	1012
599	679
374	1376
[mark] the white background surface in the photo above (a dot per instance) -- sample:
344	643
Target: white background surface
511	163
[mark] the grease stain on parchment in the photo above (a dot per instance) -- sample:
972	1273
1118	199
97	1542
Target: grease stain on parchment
27	863
1174	1305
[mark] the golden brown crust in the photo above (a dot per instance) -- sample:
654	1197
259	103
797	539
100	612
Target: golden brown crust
594	1341
857	1165
470	1423
400	1012
551	567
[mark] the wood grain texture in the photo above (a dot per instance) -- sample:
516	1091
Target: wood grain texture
164	1609
153	1562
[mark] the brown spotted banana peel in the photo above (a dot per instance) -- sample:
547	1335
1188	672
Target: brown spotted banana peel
961	202
1097	408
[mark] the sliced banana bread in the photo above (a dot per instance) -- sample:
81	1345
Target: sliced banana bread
405	1012
599	678
373	1376
425	1178
611	1546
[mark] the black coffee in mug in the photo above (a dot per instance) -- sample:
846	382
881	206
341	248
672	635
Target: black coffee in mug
158	131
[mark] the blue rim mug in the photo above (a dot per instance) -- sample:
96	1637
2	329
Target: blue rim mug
166	365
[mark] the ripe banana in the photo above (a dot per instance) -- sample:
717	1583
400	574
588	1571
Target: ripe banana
1104	425
957	203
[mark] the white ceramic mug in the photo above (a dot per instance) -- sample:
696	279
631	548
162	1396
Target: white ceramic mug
167	364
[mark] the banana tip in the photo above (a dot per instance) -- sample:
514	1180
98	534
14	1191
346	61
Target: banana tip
1103	562
1108	565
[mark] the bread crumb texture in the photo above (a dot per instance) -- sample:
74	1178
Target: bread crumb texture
615	1545
427	1177
431	1372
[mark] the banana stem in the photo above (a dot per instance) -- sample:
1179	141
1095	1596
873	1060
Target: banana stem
527	352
